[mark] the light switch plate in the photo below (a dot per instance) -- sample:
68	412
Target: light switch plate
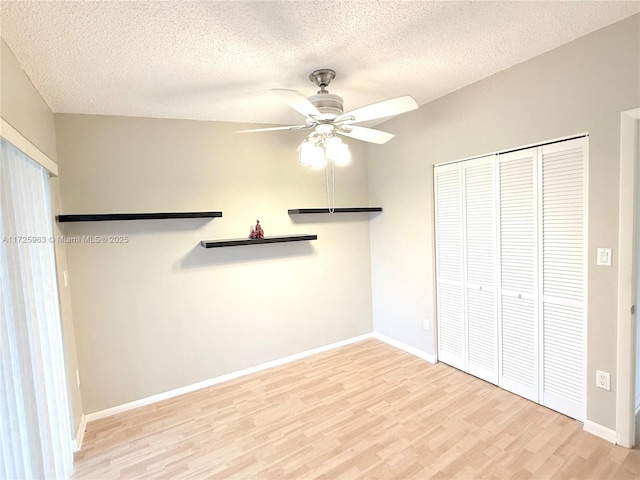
603	257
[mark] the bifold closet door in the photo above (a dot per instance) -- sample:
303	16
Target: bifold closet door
465	210
563	262
511	246
479	268
448	223
518	298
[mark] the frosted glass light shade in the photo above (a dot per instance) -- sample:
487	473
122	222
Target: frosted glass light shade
332	148
306	152
316	153
317	157
312	155
343	156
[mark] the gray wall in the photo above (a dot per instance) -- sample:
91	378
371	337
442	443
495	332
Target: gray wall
22	106
160	312
579	87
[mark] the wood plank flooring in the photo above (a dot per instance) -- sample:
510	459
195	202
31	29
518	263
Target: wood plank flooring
364	411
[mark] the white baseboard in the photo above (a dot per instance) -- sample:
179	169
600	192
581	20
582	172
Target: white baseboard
600	431
216	380
403	346
76	444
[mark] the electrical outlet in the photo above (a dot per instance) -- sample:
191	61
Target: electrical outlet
603	380
603	257
425	323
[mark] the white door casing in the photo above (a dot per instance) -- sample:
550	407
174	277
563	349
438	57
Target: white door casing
627	277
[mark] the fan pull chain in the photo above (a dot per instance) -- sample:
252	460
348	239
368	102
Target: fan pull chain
331	193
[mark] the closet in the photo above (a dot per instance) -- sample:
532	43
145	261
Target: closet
511	246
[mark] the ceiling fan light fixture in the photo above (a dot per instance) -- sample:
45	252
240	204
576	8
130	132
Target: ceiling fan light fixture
316	151
326	119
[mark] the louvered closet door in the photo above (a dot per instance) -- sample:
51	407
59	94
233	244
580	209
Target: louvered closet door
564	245
448	211
480	267
518	298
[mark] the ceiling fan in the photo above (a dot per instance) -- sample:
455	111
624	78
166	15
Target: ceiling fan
326	117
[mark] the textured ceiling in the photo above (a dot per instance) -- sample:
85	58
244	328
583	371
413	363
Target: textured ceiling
217	60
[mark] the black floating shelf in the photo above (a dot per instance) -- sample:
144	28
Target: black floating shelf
103	217
301	211
256	241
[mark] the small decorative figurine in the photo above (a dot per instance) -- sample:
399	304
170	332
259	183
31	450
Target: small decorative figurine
257	232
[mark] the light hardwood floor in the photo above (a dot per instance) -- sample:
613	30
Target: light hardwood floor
367	411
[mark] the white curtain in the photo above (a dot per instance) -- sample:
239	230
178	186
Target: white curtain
35	429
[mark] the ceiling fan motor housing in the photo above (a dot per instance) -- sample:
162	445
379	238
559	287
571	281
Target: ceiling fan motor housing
328	104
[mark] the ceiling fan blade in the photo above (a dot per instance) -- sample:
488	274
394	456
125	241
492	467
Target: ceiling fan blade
365	134
298	102
386	108
271	129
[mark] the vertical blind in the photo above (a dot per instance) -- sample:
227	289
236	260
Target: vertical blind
35	429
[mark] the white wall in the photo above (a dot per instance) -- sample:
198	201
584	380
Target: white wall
579	87
160	312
